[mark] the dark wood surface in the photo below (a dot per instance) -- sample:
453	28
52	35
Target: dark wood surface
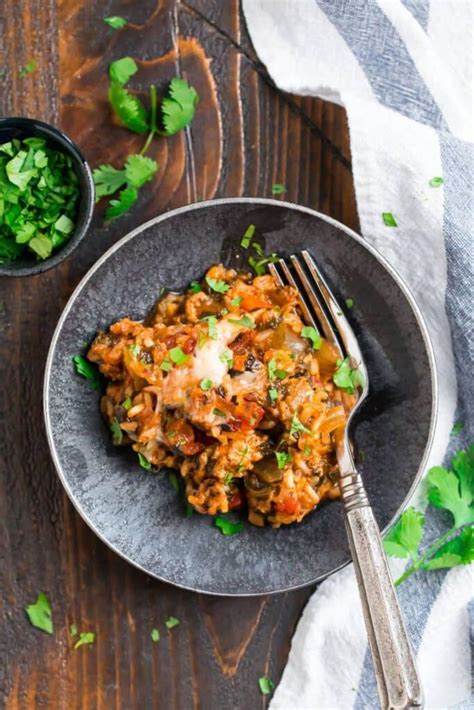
246	136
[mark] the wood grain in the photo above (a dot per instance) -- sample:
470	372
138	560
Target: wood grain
246	136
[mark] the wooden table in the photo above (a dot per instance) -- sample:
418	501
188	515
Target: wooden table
246	136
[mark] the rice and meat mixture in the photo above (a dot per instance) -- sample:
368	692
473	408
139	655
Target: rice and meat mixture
225	383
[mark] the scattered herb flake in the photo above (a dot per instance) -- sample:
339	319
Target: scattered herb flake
266	685
178	356
389	220
117	433
273	394
40	615
127	404
172	477
246	322
29	68
227	527
195	287
228	478
218	412
211	326
312	334
228	357
143	461
171	622
349	303
166	365
436	181
85	638
307	451
457	428
282	458
278	189
116	22
205	384
345	377
258	265
155	635
258	248
236	301
246	239
297	426
189	510
218	286
86	369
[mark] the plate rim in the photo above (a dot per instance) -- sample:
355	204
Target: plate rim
230	201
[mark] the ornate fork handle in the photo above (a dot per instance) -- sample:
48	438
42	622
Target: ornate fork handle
395	668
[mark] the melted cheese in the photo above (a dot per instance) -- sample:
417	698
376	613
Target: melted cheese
206	361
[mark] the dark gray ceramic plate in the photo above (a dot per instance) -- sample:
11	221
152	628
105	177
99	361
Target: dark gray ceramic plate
139	515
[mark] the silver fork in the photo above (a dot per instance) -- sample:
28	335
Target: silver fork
395	668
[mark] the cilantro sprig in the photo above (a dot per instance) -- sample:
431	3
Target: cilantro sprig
453	491
347	378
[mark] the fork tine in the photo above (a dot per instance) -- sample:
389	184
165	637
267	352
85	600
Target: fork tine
309	318
328	330
344	329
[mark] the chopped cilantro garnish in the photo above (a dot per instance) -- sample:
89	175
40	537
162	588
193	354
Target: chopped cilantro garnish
389	220
249	232
143	461
29	68
116	22
297	426
155	635
278	189
436	182
127	404
85	639
307	451
171	622
195	287
258	248
281	374
246	321
345	377
86	369
73	630
228	478
201	339
172	477
273	394
205	384
236	301
273	371
135	350
178	356
312	334
189	510
227	527
166	365
117	433
40	615
266	685
217	286
457	428
218	412
228	357
211	326
349	303
282	458
258	265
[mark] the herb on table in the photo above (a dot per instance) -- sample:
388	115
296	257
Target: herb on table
116	22
453	491
218	286
122	70
205	384
457	428
266	685
297	426
85	638
3	72
40	195
389	220
40	615
178	356
227	527
86	369
246	322
282	458
155	635
349	303
171	622
436	182
73	630
345	377
144	463
278	189
29	68
246	239
312	334
179	106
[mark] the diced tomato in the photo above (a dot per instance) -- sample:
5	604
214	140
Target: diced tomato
289	506
170	342
181	435
242	343
236	501
189	345
250	414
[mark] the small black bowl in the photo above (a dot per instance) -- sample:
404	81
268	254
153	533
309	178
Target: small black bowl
19	128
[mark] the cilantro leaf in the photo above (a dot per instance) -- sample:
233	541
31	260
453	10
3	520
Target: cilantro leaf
178	356
297	426
117	433
166	365
227	527
282	458
155	635
127	404
211	326
206	384
246	321
172	477
139	169
266	685
218	286
85	638
349	303
86	369
171	622
143	461
73	630
107	180
436	182
404	538
178	107
195	287
249	232
122	70
29	68
457	428
116	22
312	334
41	245
40	615
116	208
278	189
453	490
273	394
345	377
128	108
236	301
458	551
389	220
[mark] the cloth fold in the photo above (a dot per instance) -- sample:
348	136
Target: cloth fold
403	70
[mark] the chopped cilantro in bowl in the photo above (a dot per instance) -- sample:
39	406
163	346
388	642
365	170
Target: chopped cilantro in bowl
46	196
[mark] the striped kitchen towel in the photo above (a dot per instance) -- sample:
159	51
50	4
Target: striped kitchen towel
403	71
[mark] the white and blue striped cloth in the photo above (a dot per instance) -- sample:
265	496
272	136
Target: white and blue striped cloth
403	71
